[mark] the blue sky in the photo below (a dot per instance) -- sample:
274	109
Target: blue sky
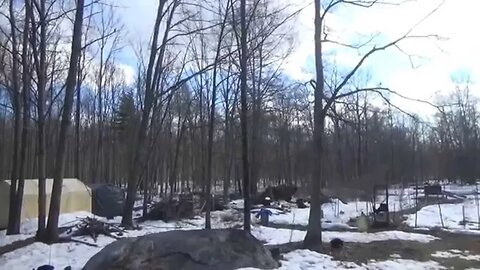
456	56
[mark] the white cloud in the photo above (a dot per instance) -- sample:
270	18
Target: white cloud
455	19
138	17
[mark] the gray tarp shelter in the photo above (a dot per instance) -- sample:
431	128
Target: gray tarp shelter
107	200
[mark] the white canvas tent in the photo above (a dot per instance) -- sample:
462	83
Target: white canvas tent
76	196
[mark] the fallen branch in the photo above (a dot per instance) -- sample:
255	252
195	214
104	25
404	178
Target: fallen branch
70	239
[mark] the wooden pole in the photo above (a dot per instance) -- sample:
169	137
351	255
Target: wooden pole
478	205
416	201
440	211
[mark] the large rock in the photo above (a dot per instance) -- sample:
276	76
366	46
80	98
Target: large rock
185	250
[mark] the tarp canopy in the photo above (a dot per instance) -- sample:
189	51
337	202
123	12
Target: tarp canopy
107	200
76	196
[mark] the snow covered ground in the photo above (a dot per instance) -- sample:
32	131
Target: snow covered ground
455	253
274	236
29	227
335	214
76	255
452	215
309	260
462	189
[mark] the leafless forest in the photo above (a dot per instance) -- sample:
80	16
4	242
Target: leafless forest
210	106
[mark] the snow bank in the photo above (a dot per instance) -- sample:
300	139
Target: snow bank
281	236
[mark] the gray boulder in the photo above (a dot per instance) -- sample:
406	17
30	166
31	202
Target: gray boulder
226	249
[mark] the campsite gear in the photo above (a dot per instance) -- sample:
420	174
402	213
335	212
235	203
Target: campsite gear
362	223
336	243
264	214
107	200
276	253
49	267
381	214
76	196
301	204
45	267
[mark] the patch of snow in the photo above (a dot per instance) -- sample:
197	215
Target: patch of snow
463	231
310	260
236	204
402	264
57	255
400	198
429	216
75	254
461	189
465	255
306	260
274	236
335	214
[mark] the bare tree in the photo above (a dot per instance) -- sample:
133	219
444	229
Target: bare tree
54	212
25	120
212	115
243	115
40	60
16	105
323	102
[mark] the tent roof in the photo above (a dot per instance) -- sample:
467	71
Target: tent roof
69	185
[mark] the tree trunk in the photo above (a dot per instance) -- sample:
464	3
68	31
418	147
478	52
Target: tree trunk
17	122
212	122
227	160
26	108
54	212
138	157
314	228
77	126
243	116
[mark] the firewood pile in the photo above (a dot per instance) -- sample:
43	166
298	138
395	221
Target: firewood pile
93	227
